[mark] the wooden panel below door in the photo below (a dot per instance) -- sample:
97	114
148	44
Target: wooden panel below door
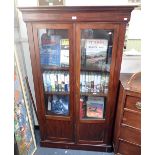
90	132
59	130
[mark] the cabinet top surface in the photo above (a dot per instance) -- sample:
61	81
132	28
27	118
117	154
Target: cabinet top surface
79	8
83	13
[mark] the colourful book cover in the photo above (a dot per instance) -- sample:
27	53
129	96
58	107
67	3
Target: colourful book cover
60	105
95	107
64	56
50	50
96	52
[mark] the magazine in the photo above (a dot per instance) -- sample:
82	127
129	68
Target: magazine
95	107
50	50
60	105
95	51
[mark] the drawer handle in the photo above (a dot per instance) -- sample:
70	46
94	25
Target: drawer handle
138	105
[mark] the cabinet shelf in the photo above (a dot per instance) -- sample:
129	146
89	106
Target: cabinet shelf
94	70
52	68
57	93
51	115
93	94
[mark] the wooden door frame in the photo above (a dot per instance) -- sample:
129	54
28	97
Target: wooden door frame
37	74
114	76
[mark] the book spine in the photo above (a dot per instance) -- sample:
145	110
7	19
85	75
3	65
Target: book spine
92	82
66	82
44	81
49	87
81	82
52	81
56	82
49	104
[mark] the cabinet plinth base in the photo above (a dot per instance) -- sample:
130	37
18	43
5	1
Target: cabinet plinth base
71	145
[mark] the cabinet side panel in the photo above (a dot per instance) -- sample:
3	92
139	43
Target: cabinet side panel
35	79
118	116
115	80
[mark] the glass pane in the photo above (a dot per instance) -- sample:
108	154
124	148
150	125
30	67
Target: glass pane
54	59
96	52
54	47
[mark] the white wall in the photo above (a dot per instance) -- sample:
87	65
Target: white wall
131	64
23	39
93	2
135	25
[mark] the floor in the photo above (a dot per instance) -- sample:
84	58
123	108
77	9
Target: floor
55	151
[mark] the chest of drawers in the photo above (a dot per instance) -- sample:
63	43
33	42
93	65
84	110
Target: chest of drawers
127	132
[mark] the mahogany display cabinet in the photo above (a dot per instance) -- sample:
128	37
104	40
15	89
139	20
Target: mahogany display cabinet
76	55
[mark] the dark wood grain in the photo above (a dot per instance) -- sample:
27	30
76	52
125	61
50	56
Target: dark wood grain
115	81
132	118
40	108
57	132
31	97
128	149
71	145
119	115
130	134
86	14
91	132
71	131
114	76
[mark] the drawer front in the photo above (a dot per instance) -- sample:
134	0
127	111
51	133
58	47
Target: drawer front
128	149
132	119
131	135
133	103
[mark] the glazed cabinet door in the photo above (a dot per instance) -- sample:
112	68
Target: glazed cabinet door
54	65
96	47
